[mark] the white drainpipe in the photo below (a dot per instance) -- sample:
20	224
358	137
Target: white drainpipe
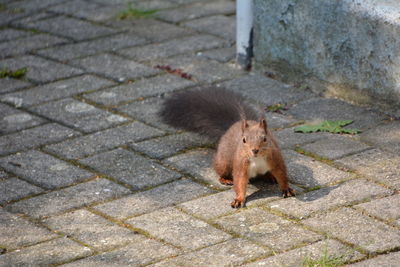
244	32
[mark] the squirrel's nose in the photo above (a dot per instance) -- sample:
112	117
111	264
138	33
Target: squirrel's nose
255	151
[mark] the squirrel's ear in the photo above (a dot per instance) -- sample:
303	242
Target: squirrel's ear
244	125
263	124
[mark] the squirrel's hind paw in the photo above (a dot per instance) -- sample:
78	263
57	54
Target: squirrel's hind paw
236	203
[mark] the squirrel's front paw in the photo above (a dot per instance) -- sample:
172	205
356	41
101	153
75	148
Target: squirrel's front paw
238	203
288	192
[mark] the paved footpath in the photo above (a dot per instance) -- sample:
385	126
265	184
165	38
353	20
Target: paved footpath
89	176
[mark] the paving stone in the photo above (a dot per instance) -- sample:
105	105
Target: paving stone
29	43
40	70
197	163
69	198
153	30
288	138
13	188
153	4
44	170
56	90
230	253
17	232
202	70
172	47
387	260
385	208
153	199
9	85
104	140
278	121
336	146
214	205
179	229
8	34
31	5
30	17
271	230
34	137
335	109
385	136
142	88
315	251
9	15
79	115
354	228
130	168
3	175
115	67
222	55
167	146
329	197
69	27
196	10
88	48
45	254
15	120
265	90
218	25
85	10
147	111
92	229
375	164
308	172
141	252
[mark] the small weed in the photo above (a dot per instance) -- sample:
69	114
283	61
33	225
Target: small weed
328	126
278	108
131	12
17	74
325	260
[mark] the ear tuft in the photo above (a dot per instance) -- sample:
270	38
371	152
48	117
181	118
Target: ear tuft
263	124
244	125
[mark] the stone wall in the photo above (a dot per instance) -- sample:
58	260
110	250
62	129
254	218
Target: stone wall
349	46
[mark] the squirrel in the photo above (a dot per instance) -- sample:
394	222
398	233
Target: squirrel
246	147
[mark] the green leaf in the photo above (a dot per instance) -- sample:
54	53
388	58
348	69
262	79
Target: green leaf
328	126
17	74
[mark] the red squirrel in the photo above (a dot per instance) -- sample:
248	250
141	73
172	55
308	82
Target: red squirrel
246	147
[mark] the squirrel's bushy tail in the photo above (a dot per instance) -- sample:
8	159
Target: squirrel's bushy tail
208	111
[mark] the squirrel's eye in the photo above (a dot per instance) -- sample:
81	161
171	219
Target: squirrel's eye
265	139
244	139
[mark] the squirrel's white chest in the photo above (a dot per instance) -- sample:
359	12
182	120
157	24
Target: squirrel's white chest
257	166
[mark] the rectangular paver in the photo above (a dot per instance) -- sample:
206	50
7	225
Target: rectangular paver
13	120
375	164
329	197
104	140
130	168
44	170
385	208
172	47
179	229
296	257
115	67
68	198
153	199
45	254
268	229
142	88
387	260
352	227
39	69
13	189
91	229
79	115
141	252
229	253
56	90
34	137
17	232
71	28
